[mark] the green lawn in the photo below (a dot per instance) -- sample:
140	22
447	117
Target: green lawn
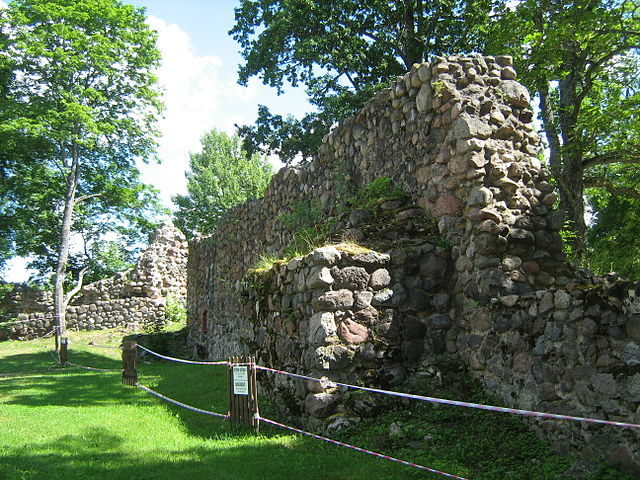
68	423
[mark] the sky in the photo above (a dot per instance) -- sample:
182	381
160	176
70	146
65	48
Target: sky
199	80
199	77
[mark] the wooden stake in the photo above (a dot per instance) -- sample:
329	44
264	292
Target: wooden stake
63	357
243	392
253	395
129	363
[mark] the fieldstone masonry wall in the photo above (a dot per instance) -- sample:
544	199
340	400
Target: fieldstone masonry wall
136	296
456	135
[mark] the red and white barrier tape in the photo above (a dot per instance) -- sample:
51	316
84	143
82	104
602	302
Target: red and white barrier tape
456	403
359	449
181	360
180	404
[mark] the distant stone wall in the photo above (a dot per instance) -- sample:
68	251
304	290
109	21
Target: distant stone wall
134	297
456	136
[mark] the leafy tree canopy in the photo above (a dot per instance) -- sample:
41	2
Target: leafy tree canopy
614	240
79	107
221	176
582	60
342	51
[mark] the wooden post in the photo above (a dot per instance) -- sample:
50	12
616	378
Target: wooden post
243	392
56	331
129	361
253	395
63	357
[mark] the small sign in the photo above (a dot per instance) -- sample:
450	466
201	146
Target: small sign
241	380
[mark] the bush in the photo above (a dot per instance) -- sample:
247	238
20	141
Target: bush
174	309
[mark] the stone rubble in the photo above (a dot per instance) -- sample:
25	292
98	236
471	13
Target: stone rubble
136	297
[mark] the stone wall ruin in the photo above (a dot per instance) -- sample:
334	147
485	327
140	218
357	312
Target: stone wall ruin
496	296
134	297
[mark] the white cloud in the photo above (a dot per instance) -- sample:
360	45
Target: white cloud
16	269
198	94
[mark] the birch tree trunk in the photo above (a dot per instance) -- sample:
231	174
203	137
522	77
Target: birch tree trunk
59	300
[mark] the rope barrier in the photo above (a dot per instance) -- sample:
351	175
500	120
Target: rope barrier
272	422
181	360
99	346
93	368
359	449
51	332
456	403
180	404
56	358
345	385
15	322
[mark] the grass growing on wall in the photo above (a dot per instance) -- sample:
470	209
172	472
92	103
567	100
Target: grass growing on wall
67	423
310	227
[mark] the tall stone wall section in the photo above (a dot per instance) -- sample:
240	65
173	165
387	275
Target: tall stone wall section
456	135
133	297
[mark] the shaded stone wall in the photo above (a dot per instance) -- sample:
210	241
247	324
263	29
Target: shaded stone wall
456	135
136	296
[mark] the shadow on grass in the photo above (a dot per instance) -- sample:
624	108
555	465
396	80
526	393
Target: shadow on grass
35	380
97	453
201	386
25	363
112	454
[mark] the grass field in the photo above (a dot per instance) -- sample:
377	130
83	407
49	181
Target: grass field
68	423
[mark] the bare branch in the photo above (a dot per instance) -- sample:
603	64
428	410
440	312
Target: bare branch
83	198
76	289
617	156
597	65
616	190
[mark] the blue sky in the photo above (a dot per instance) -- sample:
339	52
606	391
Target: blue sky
199	73
199	77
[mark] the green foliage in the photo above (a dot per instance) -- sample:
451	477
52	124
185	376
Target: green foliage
381	188
438	88
265	263
286	136
221	176
614	239
343	52
475	444
5	289
569	236
309	226
581	58
175	310
106	258
307	239
304	214
78	109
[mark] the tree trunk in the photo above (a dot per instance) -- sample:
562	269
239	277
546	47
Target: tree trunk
59	300
571	190
570	180
410	37
565	161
